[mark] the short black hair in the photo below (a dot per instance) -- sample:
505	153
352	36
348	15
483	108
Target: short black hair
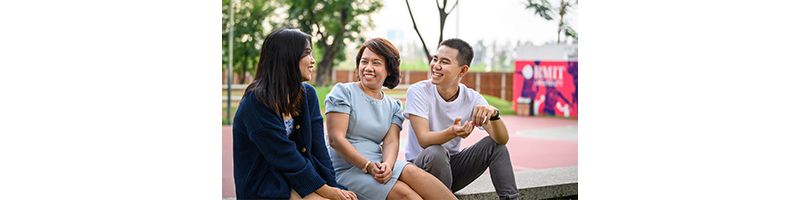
464	50
390	54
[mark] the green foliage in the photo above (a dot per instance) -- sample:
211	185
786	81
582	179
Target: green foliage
322	92
543	9
225	109
569	32
248	32
333	24
414	65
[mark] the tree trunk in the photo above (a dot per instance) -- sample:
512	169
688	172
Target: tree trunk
424	47
561	26
442	18
558	41
326	65
244	73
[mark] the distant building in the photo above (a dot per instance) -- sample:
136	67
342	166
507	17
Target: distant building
551	52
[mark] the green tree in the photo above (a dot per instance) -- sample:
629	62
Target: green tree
543	9
248	30
333	23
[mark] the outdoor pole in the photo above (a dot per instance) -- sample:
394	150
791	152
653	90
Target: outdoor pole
230	60
458	18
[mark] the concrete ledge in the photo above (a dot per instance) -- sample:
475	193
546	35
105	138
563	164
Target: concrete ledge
554	183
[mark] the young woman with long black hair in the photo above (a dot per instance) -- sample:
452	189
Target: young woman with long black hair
279	147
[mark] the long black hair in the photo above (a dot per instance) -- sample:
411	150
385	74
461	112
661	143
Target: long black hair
278	84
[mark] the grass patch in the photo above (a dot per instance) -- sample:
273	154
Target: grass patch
505	107
322	92
415	65
224	110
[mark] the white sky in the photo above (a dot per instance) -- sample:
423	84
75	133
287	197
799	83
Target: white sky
501	20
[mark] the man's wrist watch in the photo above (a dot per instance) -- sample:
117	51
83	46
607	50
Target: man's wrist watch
496	115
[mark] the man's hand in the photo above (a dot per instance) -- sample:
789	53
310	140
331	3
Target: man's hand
482	113
462	131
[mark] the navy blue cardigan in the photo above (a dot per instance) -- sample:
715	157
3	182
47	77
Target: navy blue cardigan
267	164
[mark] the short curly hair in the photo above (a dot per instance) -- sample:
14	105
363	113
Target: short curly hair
390	54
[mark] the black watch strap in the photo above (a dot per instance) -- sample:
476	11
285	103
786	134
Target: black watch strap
496	115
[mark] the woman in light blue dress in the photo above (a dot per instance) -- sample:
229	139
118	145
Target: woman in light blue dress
364	132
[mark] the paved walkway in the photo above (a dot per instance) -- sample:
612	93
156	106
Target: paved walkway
535	143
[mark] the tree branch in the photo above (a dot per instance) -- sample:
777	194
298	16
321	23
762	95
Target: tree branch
442	18
454	7
424	47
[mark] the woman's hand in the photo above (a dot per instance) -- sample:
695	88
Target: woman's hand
381	172
336	193
374	170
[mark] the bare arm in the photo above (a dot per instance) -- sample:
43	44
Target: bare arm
391	145
496	129
337	129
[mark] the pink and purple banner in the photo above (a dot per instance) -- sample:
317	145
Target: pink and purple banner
543	88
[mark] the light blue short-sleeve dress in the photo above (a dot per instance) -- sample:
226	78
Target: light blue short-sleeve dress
370	120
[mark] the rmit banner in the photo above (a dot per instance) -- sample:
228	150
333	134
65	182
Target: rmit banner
546	88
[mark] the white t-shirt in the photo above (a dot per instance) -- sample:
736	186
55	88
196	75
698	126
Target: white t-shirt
424	101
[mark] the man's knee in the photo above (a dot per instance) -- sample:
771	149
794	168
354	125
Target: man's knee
434	159
495	151
487	139
501	149
435	154
496	148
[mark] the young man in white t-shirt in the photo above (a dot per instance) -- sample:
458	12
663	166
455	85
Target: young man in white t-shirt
442	111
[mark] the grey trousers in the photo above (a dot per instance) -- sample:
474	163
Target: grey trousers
459	170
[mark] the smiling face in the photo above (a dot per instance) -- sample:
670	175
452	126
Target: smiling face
445	69
306	64
371	69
